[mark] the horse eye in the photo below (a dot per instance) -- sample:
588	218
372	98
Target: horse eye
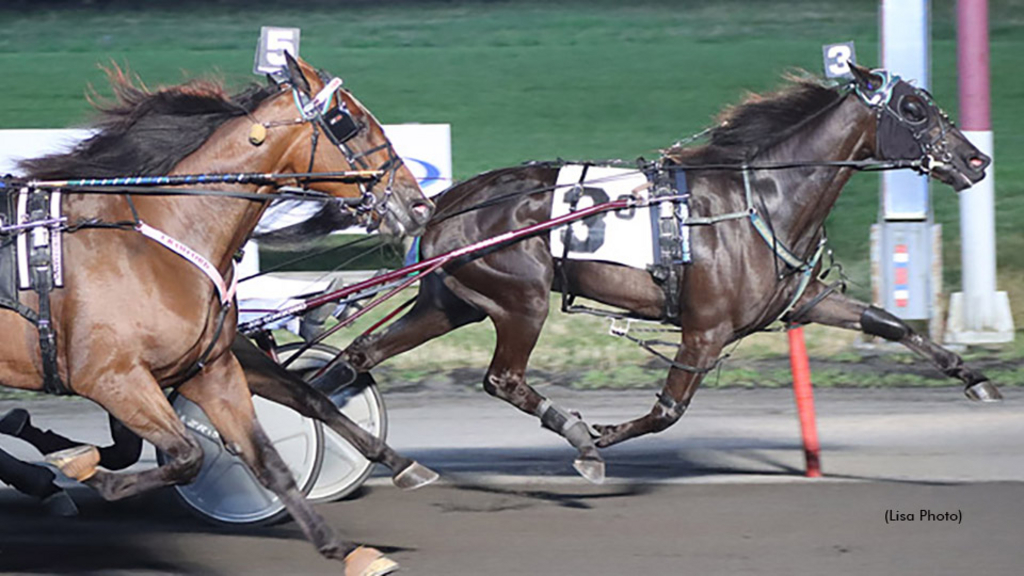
912	110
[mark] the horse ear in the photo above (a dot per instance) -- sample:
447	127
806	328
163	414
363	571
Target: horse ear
295	75
865	78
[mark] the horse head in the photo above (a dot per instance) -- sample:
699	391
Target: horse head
911	126
392	199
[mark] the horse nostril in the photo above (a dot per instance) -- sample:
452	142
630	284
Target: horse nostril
422	211
977	162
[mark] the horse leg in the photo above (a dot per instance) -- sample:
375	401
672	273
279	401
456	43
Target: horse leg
269	380
844	312
124	452
221	391
695	357
506	379
511	288
436	312
147	414
36	481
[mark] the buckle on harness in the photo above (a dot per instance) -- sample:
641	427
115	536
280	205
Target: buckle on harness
615	327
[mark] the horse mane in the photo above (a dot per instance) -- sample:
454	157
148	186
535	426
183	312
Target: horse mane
759	122
146	133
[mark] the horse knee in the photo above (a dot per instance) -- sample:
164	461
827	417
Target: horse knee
189	461
878	322
186	459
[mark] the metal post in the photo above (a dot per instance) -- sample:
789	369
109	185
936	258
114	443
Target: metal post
979	314
903	253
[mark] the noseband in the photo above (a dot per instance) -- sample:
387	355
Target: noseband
906	115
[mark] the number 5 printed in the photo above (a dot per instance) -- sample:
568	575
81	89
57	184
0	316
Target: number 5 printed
274	42
279	41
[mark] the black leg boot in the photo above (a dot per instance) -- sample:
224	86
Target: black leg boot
13	422
18	424
36	481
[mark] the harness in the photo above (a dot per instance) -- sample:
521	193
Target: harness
898	137
671	234
37	229
340	127
28	230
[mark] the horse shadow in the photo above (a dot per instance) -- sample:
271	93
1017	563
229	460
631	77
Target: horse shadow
137	535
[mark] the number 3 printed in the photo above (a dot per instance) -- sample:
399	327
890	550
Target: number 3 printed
594	225
840	57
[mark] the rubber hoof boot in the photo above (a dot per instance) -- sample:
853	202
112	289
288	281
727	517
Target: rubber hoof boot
60	504
414	476
79	462
592	470
983	392
364	561
14	422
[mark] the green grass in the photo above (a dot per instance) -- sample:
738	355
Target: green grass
576	351
524	80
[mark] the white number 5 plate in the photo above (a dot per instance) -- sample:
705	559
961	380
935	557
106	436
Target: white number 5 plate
274	42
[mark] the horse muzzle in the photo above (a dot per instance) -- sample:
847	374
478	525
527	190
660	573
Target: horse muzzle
963	172
409	219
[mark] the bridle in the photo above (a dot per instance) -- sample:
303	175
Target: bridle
906	115
340	127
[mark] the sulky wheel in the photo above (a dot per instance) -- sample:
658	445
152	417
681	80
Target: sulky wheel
344	469
225	491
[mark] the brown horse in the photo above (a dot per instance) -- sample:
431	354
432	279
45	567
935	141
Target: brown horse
742	277
134	317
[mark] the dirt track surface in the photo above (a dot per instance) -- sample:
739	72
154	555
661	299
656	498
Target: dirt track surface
720	493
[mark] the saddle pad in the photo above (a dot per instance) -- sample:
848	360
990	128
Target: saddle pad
622	237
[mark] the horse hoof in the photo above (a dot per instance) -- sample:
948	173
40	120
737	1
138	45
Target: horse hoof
983	392
414	476
78	463
60	504
364	561
592	470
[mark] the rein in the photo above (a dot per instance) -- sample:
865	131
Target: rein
859	165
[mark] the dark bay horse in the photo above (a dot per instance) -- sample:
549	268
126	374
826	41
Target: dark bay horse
133	317
740	280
